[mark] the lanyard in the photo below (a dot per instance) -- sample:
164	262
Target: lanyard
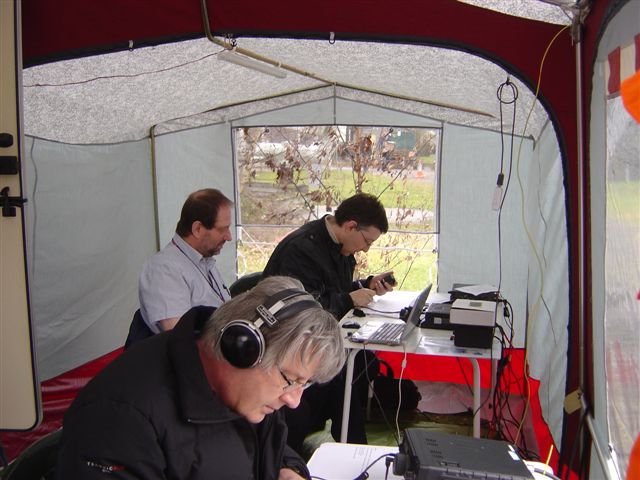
210	278
217	288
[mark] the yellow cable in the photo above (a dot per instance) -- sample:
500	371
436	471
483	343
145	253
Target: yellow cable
529	237
549	456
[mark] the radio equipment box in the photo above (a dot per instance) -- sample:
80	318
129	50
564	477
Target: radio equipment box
437	315
473	322
429	455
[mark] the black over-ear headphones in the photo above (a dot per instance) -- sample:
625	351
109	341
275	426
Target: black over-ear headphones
241	341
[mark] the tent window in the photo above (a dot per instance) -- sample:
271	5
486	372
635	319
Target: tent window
622	277
290	175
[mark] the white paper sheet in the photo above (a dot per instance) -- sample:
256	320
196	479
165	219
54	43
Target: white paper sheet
345	461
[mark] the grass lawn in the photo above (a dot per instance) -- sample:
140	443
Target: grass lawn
405	190
407	249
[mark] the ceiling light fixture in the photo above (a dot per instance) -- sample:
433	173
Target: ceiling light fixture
248	62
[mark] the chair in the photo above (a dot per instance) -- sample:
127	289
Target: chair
138	330
245	283
37	462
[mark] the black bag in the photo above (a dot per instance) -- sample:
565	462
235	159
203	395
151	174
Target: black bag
385	388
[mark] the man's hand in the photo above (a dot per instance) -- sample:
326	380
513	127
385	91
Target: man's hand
362	297
288	474
380	286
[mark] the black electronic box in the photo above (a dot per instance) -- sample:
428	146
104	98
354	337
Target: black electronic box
437	315
429	455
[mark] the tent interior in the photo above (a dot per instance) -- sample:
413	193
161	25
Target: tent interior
115	139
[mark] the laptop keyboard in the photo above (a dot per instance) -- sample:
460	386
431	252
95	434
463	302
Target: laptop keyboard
387	333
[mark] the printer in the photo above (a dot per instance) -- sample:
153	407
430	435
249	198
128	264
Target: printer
473	322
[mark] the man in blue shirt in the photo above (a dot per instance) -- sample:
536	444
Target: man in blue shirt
183	274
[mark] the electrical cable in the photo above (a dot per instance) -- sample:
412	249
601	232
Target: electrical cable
404	365
366	366
533	312
376	398
499	196
132	75
365	473
503	417
387	463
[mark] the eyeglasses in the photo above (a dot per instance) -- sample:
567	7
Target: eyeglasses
366	240
291	384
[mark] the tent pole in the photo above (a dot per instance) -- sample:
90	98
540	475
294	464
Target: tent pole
608	464
580	211
154	184
580	192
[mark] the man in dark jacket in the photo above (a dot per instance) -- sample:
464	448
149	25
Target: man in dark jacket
321	255
202	401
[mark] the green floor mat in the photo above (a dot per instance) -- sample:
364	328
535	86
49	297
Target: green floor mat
384	432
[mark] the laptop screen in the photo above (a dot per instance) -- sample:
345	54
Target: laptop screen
413	320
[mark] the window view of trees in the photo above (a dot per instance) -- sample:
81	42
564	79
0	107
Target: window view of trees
290	175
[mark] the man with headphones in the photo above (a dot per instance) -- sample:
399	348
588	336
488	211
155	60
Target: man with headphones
184	273
210	407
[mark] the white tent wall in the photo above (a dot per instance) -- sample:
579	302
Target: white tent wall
187	161
90	227
548	277
533	244
469	245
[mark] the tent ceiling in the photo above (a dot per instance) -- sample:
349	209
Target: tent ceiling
550	11
120	96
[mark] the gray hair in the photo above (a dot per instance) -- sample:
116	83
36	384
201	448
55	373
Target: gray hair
310	334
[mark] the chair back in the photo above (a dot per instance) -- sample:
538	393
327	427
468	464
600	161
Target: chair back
245	283
138	330
37	462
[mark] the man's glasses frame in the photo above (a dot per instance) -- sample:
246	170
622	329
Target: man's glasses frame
366	240
291	384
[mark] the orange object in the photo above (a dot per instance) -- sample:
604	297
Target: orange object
633	470
630	92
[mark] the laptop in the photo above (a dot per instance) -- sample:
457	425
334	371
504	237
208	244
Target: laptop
392	333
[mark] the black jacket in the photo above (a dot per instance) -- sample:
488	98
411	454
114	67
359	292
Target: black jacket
151	414
310	255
